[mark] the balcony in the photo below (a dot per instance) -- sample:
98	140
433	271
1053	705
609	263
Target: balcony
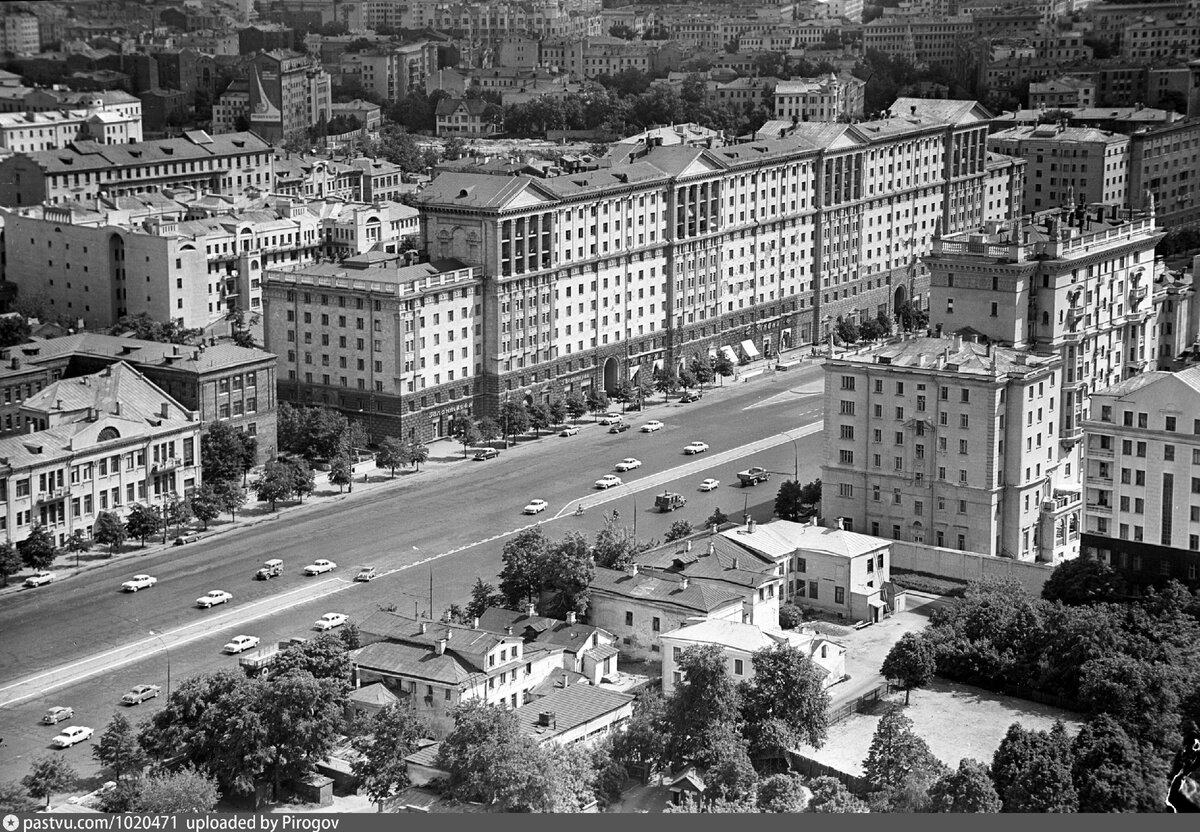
1135	365
1074	315
1136	295
1098	480
1099	508
51	495
165	465
1096	452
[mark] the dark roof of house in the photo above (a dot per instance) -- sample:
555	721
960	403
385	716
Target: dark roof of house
450	106
573	706
141	353
715	559
542	630
662	588
414	660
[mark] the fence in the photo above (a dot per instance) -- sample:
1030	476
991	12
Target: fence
967	566
809	767
862	704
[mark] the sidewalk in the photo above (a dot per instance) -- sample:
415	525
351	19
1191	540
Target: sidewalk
444	456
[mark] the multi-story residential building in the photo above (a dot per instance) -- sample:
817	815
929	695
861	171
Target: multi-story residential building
19	34
95	443
935	41
1158	40
1178	317
27	100
293	89
589	57
1142	451
221	382
1068	165
827	98
949	443
1062	92
398	348
1163	159
588	651
590	276
51	130
1005	188
472	118
393	71
87	170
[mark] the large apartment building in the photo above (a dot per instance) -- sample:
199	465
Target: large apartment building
827	98
227	164
1067	165
31	132
589	277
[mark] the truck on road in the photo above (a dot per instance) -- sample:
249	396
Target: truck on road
259	662
753	476
669	501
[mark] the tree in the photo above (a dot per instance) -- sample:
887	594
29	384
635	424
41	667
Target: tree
900	765
1141	694
14	798
142	522
121	798
523	574
118	748
350	636
717	518
109	531
37	550
489	429
665	382
910	662
221	452
1110	771
643	386
785	704
177	792
417	454
390	454
1031	771
722	365
144	328
678	531
539	417
276	483
231	496
568	572
78	542
597	402
557	411
969	789
576	406
687	378
811	492
729	774
14	329
782	794
483	597
10	561
339	472
49	775
831	797
324	658
206	505
702	710
490	759
1083	581
570	775
788	502
304	479
177	513
643	742
790	616
846	331
464	427
702	370
616	545
622	31
380	768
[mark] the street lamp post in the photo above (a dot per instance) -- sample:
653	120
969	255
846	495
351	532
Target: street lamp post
167	653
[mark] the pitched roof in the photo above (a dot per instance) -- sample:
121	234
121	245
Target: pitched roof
782	537
662	588
188	358
540	629
946	110
414	660
967	359
713	559
450	106
749	638
373	694
573	706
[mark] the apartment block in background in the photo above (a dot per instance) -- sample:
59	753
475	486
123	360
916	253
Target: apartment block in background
1068	165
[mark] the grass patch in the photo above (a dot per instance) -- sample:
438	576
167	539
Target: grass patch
925	582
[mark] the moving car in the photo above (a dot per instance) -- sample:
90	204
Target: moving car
39	578
618	427
608	481
216	596
628	464
71	735
611	418
486	453
57	714
366	573
319	566
709	484
140	693
330	620
753	476
691	396
652	426
271	569
696	448
239	644
569	430
139	582
536	506
669	501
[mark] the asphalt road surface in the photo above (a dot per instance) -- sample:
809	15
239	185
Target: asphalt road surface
82	642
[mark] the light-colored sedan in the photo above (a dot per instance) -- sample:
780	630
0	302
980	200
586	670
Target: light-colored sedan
330	620
39	578
240	644
696	448
628	464
214	597
611	418
140	693
536	507
319	566
709	484
139	582
569	430
608	481
72	735
652	426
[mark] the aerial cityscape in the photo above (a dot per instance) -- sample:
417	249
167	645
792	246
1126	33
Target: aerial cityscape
595	406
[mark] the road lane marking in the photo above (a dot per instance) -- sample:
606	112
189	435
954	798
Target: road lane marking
54	679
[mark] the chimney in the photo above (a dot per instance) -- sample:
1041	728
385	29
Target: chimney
683	584
687	547
164	410
957	342
424	627
546	718
750	526
508	629
841	523
449	634
58	404
734	565
446	616
531	611
441	645
632	569
116	408
913	109
475	623
571	617
16	363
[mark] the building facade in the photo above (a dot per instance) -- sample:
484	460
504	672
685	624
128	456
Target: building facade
51	130
829	98
1068	165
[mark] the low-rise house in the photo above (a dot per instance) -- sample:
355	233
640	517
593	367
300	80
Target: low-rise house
469	118
576	714
739	642
587	650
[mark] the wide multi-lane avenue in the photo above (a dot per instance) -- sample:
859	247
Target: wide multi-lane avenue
82	643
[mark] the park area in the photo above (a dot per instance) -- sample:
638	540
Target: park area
956	721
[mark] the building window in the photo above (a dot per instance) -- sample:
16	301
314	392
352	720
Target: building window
739	667
628	619
812	589
839	595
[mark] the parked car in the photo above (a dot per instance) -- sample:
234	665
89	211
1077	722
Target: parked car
628	464
569	430
709	484
39	578
618	427
611	418
486	453
366	573
330	620
240	644
271	569
319	566
214	597
608	481
57	714
140	693
690	396
652	426
696	448
139	582
535	507
72	735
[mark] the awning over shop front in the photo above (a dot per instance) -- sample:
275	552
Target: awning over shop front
748	346
634	369
657	364
730	354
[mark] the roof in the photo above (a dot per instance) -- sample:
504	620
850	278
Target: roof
186	358
946	110
414	660
573	706
713	559
450	106
662	588
373	694
749	638
90	155
983	360
426	756
1189	377
1053	132
540	629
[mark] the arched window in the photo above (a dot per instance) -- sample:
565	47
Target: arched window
108	434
